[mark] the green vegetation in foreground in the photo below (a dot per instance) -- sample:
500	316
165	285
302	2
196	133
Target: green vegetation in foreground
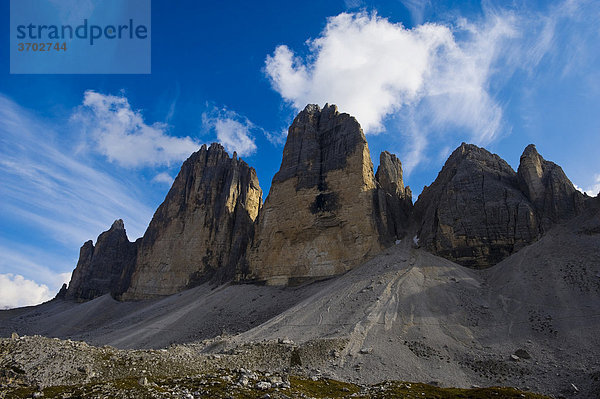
224	386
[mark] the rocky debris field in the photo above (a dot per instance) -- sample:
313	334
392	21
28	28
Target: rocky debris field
39	367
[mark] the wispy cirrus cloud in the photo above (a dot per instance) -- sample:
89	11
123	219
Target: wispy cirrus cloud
45	185
122	135
35	263
417	9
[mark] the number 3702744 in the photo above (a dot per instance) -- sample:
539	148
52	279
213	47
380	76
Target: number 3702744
42	46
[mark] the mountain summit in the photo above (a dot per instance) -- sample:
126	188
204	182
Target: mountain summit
324	215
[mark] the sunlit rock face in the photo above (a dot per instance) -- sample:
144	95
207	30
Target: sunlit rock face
323	215
202	229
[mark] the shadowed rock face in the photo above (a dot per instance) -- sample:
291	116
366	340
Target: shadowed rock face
474	213
396	200
322	216
548	188
202	229
479	211
99	268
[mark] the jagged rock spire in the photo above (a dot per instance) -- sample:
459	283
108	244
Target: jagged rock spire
99	268
202	229
548	188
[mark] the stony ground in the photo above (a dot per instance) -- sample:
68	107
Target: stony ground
530	322
34	367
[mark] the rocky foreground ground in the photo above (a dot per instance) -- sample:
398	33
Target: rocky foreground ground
35	366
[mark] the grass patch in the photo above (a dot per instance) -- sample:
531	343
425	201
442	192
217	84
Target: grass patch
324	388
213	386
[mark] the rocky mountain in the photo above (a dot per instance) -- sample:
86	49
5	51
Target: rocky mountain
393	299
529	322
202	229
326	213
395	199
474	212
100	267
199	233
548	188
479	210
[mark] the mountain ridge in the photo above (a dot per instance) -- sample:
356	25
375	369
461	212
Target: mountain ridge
213	225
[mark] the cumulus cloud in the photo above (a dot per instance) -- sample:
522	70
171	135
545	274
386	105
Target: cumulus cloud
16	291
365	64
429	80
121	134
233	131
371	67
164	178
593	189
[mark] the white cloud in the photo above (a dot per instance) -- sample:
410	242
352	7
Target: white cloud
593	189
371	68
43	184
164	178
121	134
417	9
365	64
233	131
434	79
16	291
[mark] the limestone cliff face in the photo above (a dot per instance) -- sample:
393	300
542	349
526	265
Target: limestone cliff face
474	213
395	199
321	217
548	188
99	268
326	213
202	229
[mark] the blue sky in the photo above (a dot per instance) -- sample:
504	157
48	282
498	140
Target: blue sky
79	151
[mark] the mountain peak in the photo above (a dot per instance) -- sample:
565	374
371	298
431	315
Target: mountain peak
322	216
530	150
118	225
548	188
